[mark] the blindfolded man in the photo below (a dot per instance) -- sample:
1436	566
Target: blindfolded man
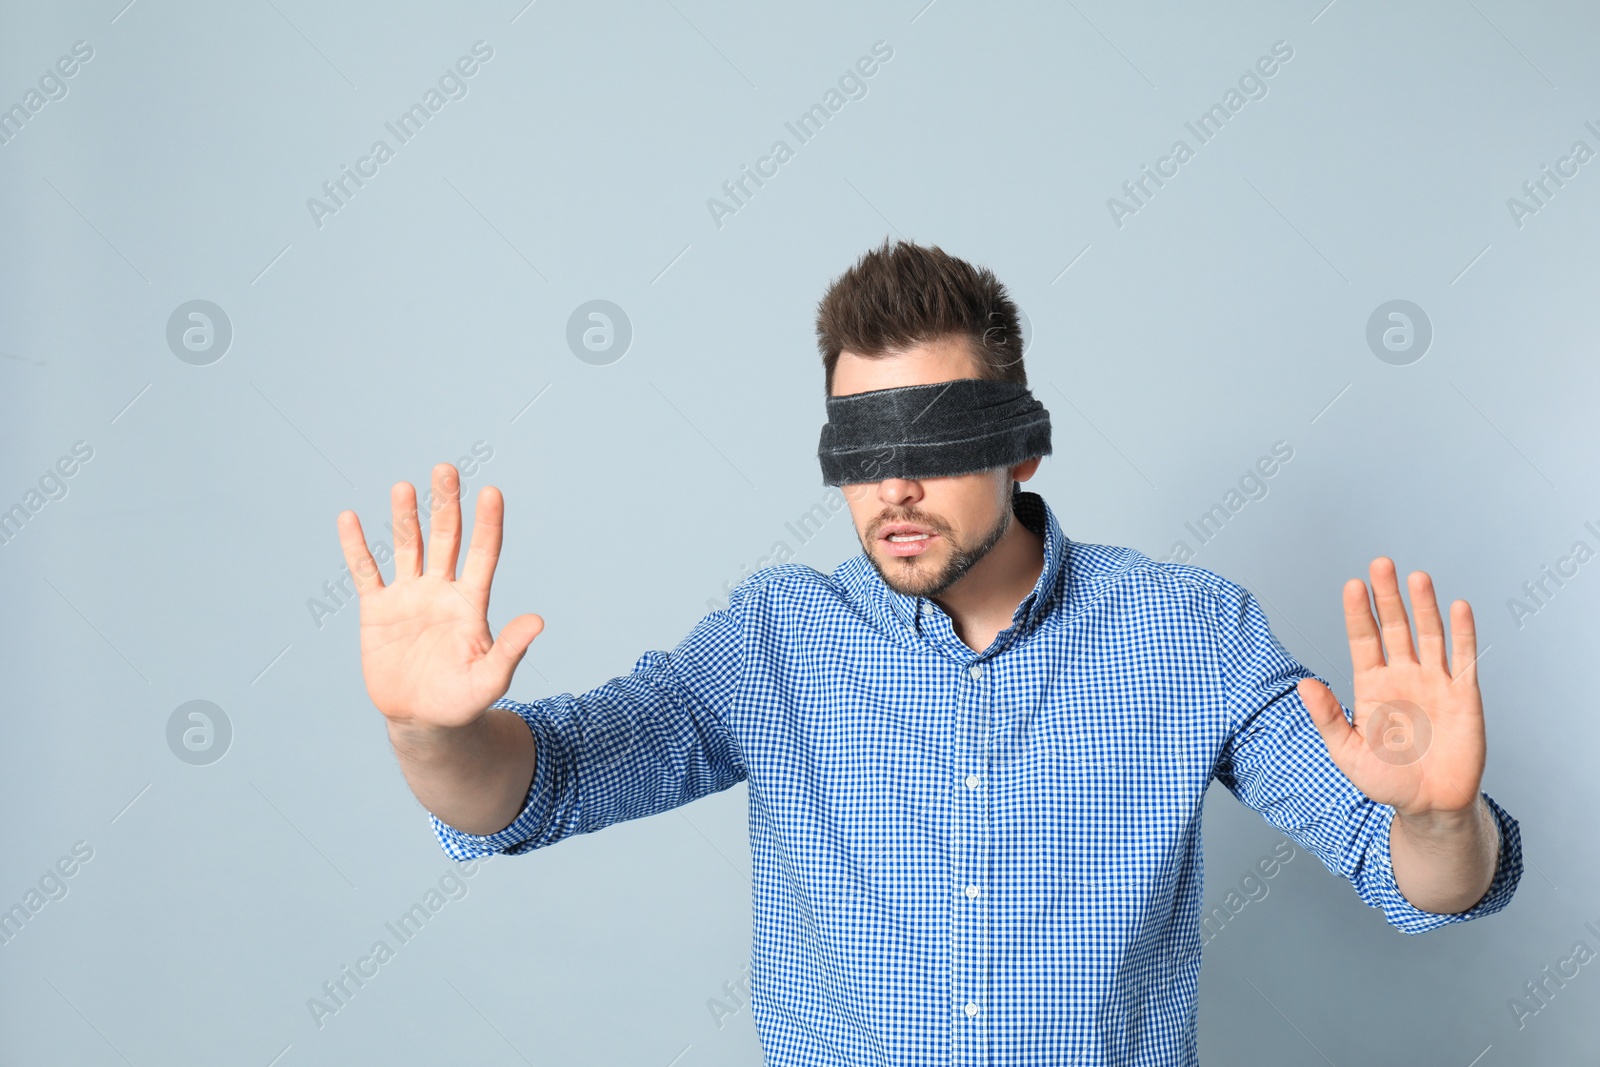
977	752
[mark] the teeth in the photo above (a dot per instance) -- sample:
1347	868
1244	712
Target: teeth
908	537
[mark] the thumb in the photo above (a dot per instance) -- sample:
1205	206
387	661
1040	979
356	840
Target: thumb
1327	715
514	639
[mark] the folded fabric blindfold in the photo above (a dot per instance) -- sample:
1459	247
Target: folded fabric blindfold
931	431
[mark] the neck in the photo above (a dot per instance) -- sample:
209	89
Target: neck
982	603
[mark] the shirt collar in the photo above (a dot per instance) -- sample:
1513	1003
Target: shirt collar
1031	510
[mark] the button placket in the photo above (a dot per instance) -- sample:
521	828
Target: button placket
971	935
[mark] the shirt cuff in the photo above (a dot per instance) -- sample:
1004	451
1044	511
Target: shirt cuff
536	808
1404	915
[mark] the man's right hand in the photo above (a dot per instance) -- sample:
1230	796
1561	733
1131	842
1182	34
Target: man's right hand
433	667
428	656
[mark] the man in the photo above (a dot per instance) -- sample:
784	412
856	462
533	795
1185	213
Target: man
976	753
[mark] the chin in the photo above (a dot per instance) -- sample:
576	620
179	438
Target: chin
910	575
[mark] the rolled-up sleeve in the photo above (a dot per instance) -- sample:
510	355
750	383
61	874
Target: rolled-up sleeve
640	744
1275	762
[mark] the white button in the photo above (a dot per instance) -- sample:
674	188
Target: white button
972	781
975	670
971	1009
972	891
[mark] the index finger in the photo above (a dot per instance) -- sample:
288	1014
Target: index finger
356	555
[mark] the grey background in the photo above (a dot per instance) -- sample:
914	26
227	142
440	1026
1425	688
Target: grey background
1229	313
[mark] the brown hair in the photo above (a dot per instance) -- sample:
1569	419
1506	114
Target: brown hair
901	295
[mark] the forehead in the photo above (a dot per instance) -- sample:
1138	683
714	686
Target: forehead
940	360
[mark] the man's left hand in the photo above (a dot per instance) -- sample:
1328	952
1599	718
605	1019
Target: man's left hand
1417	742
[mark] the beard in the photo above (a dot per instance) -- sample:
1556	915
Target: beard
911	575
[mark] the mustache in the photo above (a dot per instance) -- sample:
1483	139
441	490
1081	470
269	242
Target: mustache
933	523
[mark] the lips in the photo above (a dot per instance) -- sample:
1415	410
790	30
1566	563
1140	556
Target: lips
905	538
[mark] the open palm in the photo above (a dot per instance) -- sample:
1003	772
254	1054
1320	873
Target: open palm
1417	742
427	653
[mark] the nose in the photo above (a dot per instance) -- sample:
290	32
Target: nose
899	492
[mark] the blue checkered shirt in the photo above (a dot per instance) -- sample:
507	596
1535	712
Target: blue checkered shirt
971	858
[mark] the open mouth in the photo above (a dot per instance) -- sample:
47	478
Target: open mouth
906	539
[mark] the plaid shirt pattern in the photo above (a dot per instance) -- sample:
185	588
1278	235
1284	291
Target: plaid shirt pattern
971	858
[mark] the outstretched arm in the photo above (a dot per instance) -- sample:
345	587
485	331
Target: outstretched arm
432	665
502	776
1417	742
